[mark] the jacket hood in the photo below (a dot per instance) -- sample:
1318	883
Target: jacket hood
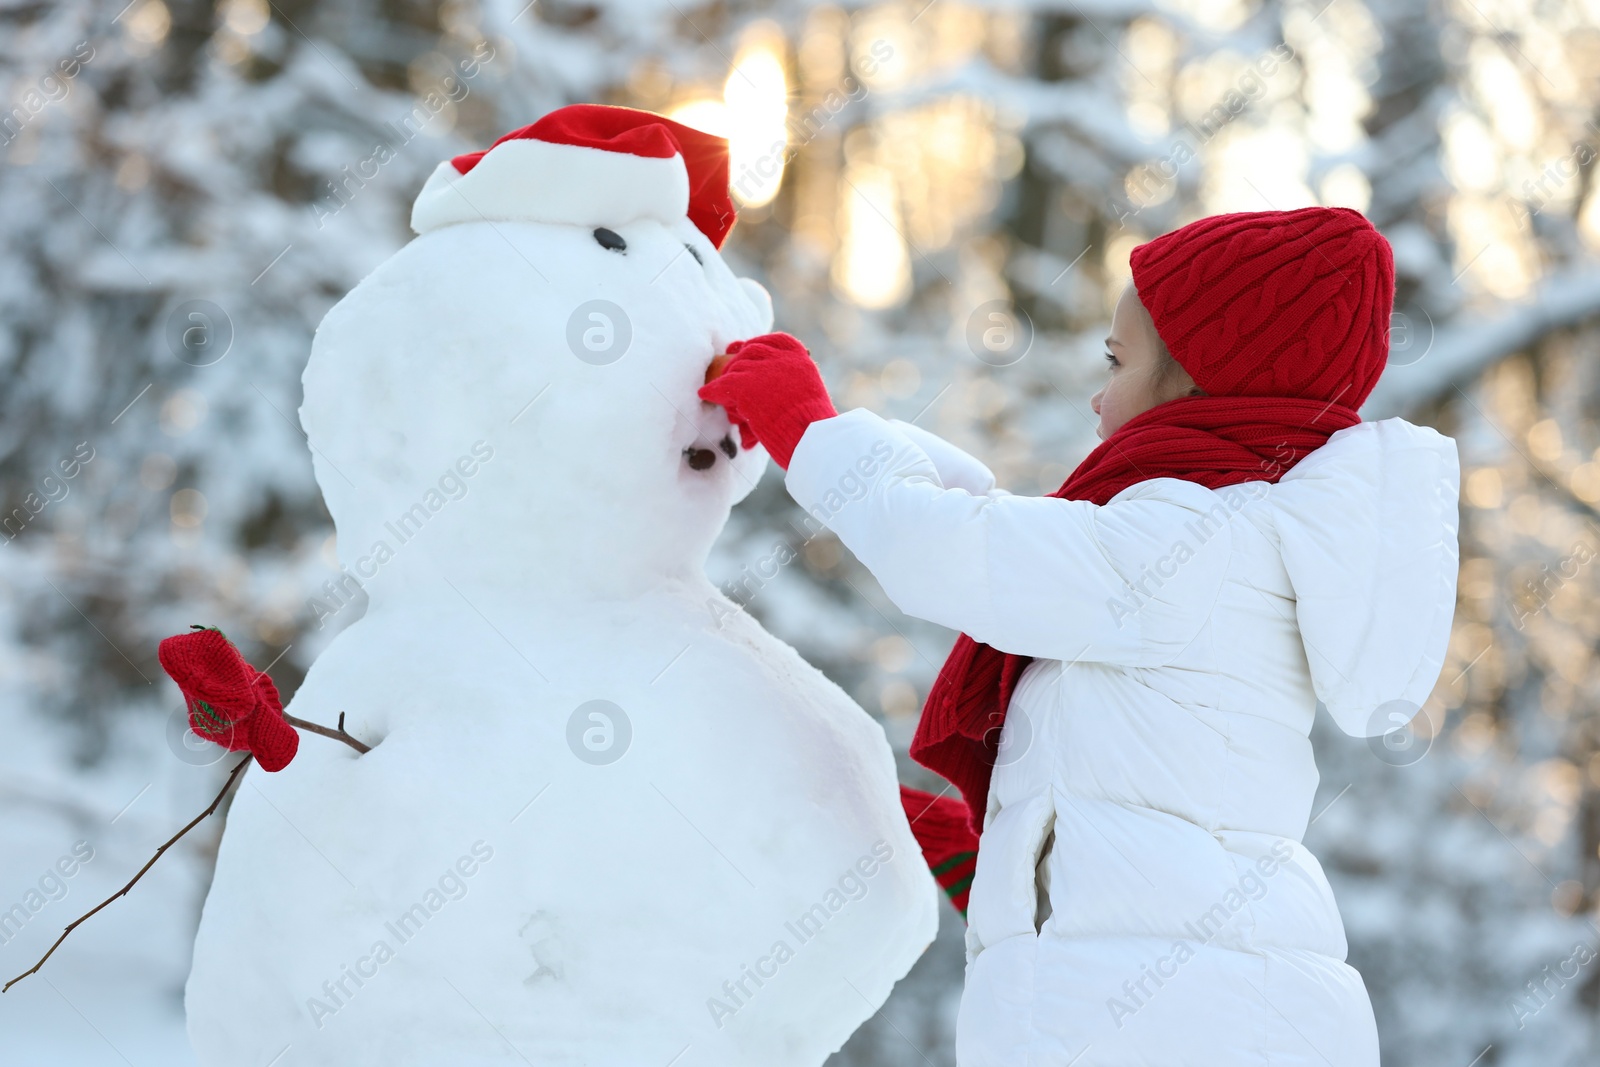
1367	528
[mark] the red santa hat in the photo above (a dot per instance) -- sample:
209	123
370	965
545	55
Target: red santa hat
586	165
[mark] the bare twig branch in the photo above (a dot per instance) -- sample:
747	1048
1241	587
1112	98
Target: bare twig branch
338	734
233	776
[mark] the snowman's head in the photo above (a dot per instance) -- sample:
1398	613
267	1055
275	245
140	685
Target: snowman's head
547	332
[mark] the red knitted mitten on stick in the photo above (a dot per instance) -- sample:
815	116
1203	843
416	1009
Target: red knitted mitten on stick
272	739
772	391
948	844
229	701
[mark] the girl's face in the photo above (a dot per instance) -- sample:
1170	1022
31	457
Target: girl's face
1133	353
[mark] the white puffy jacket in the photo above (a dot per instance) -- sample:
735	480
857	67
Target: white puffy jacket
1141	894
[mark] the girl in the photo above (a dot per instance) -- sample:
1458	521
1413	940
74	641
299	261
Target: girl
1152	641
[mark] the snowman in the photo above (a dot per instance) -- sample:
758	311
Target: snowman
606	818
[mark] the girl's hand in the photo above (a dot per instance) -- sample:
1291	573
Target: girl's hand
772	391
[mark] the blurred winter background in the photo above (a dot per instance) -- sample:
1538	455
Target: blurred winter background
941	198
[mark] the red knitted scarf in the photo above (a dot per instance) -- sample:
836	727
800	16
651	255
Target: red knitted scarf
1213	440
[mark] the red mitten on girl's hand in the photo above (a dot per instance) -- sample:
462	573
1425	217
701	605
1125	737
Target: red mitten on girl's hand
229	701
772	391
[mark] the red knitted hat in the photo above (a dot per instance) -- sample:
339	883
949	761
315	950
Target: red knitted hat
1273	303
587	165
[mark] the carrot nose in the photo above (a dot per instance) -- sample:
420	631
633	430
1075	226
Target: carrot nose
717	366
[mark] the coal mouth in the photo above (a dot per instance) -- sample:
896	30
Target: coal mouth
700	458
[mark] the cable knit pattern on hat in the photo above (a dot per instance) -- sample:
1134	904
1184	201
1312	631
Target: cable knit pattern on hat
1273	303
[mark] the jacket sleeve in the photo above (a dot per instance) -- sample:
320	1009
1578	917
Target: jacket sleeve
1129	583
956	469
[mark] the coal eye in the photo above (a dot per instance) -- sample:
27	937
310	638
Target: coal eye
610	240
695	252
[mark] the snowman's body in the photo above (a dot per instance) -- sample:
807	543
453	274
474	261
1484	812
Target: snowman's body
709	866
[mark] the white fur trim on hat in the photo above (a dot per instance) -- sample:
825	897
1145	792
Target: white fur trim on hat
535	181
